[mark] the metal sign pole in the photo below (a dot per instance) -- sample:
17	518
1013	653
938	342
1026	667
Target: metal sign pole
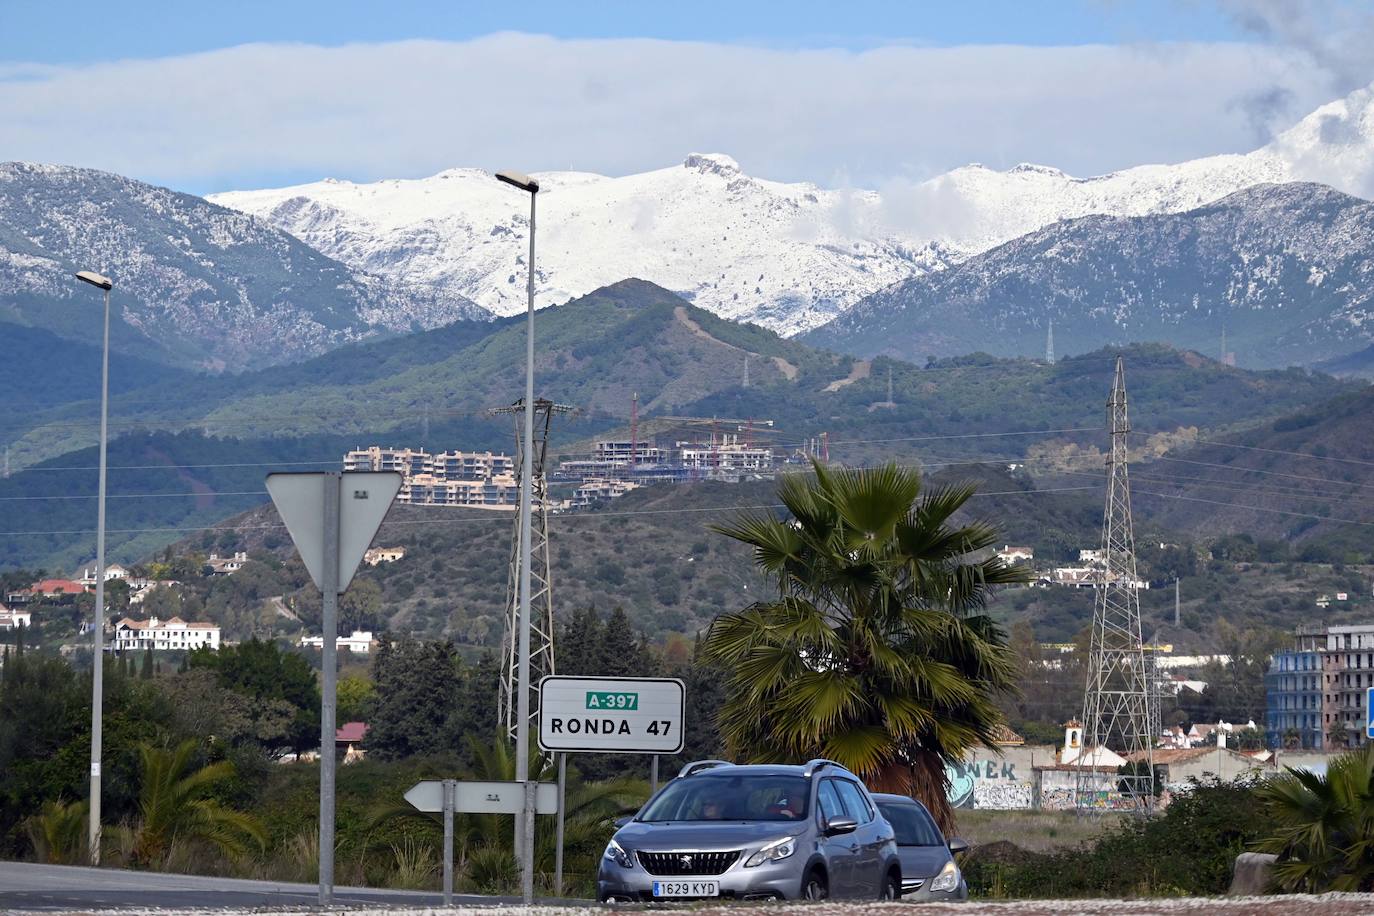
558	848
329	628
449	790
653	775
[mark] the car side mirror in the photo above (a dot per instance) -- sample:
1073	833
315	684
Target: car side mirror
958	846
840	825
622	820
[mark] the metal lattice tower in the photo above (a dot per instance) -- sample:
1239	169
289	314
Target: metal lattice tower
541	582
1120	696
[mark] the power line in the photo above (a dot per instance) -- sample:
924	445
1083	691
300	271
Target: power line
572	516
1275	451
1321	518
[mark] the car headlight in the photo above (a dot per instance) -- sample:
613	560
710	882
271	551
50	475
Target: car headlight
778	849
617	854
947	879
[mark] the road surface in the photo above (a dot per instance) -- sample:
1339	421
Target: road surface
62	888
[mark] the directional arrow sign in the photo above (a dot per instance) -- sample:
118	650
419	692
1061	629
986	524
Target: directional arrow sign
364	498
482	797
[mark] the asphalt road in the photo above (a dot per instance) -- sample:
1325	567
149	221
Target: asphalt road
44	888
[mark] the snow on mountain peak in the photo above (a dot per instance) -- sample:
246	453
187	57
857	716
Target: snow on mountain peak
789	256
715	163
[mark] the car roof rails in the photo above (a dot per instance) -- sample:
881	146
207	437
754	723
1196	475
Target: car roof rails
819	763
696	766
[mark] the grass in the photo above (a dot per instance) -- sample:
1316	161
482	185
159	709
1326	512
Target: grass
1033	831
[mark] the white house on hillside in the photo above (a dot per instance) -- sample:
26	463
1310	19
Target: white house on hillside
360	642
164	635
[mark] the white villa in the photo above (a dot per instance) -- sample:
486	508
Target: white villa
359	643
164	635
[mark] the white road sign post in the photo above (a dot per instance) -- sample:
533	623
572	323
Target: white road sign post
450	795
332	517
608	715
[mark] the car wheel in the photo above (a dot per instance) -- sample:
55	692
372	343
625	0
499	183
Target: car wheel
814	887
892	888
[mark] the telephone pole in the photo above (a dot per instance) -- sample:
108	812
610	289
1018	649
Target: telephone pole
1049	344
1120	693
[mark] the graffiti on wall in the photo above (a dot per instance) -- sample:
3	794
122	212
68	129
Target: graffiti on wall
987	783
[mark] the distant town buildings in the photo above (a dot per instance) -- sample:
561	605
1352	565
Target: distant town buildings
1009	554
112	572
359	643
164	635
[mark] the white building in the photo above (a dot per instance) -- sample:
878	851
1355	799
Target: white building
112	572
1010	554
164	635
591	491
13	618
375	555
225	566
360	643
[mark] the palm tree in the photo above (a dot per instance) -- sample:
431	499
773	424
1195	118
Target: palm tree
173	807
1339	736
876	652
1325	825
58	832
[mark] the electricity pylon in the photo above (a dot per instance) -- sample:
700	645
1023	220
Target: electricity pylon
1120	696
541	582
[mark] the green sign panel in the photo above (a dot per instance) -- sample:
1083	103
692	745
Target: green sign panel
598	699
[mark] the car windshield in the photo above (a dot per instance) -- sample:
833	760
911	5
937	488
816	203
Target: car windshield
912	825
739	797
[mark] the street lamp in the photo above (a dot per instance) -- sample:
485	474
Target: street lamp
524	822
97	663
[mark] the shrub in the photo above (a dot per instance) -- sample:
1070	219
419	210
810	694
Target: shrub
1189	849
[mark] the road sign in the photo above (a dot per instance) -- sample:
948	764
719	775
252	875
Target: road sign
364	498
619	715
1369	713
482	797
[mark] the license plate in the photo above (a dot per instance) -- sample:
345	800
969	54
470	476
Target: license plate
686	888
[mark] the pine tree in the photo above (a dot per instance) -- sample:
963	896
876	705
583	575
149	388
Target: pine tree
19	642
619	655
579	646
147	672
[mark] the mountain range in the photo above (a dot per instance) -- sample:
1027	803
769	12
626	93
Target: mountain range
787	256
1278	274
196	284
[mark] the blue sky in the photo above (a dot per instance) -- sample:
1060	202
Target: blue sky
209	96
87	30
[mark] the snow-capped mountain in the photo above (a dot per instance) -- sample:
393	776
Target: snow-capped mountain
1283	273
789	256
195	283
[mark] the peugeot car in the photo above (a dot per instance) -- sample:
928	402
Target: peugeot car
758	832
929	872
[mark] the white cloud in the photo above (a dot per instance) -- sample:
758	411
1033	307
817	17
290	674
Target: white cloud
266	112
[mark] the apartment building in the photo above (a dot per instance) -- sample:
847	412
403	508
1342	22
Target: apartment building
1320	686
445	478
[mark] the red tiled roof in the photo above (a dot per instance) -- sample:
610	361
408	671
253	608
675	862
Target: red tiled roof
350	732
57	586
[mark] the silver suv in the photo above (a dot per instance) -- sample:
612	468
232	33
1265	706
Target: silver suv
758	832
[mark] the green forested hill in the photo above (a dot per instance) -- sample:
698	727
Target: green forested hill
432	389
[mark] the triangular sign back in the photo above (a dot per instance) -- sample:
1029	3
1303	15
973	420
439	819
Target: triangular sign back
364	499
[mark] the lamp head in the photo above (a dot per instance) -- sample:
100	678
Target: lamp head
519	180
95	279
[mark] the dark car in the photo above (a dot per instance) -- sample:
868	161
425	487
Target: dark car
929	871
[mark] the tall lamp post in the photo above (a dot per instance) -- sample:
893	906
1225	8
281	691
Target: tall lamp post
524	822
97	662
